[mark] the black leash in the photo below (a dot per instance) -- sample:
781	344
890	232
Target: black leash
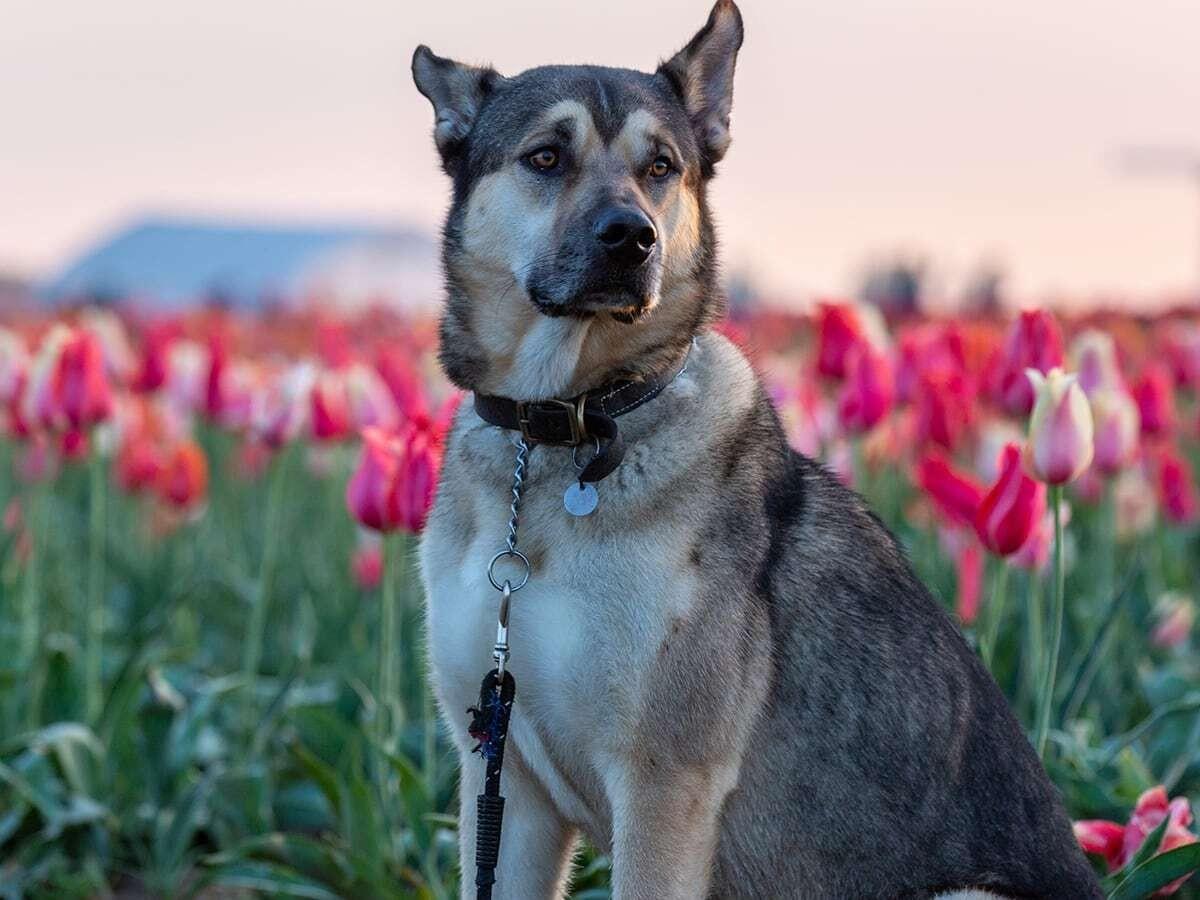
489	726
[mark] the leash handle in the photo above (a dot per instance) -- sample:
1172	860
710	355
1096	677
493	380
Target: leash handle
489	726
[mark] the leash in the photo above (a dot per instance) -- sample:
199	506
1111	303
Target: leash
589	417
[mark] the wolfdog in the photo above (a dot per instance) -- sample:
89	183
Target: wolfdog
728	676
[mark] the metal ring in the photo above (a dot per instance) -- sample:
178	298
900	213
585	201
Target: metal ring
575	450
491	570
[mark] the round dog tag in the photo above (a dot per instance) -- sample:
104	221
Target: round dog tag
581	498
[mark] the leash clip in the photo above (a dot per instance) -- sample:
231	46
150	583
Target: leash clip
500	650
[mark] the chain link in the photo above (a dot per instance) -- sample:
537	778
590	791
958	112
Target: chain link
518	484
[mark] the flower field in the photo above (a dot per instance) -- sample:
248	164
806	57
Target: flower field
211	665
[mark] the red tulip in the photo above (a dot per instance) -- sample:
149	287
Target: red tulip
868	391
370	494
214	382
366	565
1012	508
1176	487
956	495
330	414
1118	845
394	365
183	481
79	386
1034	342
839	330
416	480
1156	400
944	409
152	369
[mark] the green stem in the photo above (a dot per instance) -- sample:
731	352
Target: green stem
388	715
1046	700
1036	624
996	613
94	609
252	653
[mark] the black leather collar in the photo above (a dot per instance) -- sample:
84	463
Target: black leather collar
589	418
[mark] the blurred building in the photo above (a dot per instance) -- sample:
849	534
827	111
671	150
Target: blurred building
174	262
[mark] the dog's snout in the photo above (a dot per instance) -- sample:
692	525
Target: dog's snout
627	234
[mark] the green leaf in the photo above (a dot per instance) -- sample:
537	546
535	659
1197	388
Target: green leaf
272	879
1157	873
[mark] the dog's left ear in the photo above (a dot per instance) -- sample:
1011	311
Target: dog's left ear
702	73
457	91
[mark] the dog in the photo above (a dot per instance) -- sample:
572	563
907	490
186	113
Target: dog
728	676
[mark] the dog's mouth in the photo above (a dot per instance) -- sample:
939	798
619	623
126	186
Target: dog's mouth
622	304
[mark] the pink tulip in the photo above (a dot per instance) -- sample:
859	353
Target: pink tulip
80	388
366	565
1034	342
868	391
1117	430
839	331
416	480
956	495
1094	357
1060	429
329	412
1119	844
1174	614
370	495
1012	508
944	407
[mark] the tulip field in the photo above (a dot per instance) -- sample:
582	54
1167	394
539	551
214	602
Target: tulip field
211	661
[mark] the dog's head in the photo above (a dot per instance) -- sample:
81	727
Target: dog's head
578	245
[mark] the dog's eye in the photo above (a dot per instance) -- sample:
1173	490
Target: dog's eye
544	159
660	168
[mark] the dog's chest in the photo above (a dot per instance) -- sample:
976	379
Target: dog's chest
585	631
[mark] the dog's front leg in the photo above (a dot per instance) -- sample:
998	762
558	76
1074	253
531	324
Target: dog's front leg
536	844
665	823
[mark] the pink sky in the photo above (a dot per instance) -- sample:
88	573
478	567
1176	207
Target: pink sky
961	130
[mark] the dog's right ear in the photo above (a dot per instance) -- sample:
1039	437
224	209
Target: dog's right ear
456	92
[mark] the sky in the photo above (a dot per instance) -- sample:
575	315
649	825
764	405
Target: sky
954	130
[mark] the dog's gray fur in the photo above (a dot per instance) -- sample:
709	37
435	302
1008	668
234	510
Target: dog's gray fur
728	676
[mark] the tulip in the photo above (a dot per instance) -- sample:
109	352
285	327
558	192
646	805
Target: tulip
279	408
330	415
214	377
1134	504
109	331
370	494
183	481
152	367
138	464
1117	427
14	366
1156	400
369	402
1094	357
868	391
956	495
39	408
944	407
840	329
1174	614
1012	507
416	480
1060	429
1033	342
403	380
1176	487
187	366
1119	844
80	383
366	566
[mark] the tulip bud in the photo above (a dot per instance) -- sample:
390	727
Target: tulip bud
416	480
1033	342
183	481
1094	357
1012	508
867	394
80	382
1176	487
370	492
1117	429
1155	398
1060	429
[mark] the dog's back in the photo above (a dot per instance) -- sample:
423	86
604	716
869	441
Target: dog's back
884	739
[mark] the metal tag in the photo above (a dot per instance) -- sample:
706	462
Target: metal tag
581	498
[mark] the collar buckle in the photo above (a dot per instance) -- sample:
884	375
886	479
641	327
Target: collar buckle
558	422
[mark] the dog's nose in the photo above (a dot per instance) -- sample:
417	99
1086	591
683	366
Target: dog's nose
627	234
